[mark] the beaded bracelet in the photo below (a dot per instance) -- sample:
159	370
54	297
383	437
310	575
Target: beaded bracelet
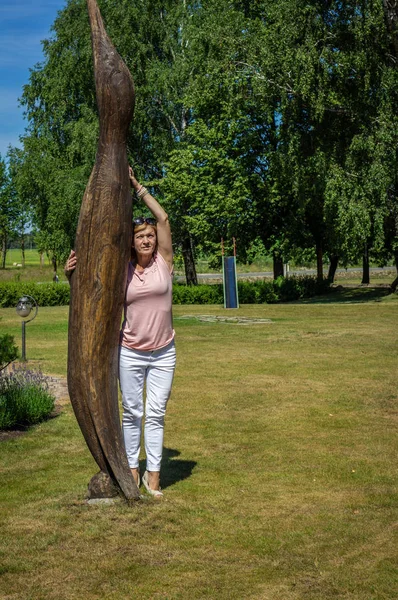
142	192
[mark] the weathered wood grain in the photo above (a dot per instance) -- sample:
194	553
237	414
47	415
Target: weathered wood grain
102	246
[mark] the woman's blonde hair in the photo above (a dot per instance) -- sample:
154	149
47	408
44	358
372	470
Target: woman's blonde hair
142	226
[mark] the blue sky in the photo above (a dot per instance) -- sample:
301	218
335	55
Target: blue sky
23	24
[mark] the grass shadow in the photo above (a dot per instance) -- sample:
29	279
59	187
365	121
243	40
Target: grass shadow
173	469
350	295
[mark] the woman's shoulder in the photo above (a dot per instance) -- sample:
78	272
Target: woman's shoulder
158	258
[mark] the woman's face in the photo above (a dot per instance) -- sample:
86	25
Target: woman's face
145	241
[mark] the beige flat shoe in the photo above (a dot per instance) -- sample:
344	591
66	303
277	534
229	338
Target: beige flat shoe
156	493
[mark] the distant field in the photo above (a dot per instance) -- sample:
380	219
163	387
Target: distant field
33	271
32	258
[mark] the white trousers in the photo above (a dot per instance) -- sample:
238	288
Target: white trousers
156	370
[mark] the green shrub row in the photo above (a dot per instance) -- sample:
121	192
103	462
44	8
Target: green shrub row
281	290
197	294
254	292
250	292
24	398
45	294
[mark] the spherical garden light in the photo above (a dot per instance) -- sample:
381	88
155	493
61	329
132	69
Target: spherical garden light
24	307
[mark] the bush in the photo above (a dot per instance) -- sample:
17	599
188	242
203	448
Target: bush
198	294
8	350
24	398
253	292
257	292
45	294
250	292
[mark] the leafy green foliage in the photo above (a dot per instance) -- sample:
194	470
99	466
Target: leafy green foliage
263	120
8	350
206	191
250	292
200	294
282	289
45	294
24	398
8	212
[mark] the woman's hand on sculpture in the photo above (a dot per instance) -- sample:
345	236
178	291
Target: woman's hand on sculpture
70	264
134	183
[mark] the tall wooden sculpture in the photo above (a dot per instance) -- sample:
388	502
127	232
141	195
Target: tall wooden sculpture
102	246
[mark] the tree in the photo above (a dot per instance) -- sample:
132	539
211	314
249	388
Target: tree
206	189
283	97
362	189
8	212
60	104
19	190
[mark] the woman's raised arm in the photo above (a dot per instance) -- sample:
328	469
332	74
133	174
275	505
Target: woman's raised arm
165	246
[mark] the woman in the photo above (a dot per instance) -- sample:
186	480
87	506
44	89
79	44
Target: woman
147	350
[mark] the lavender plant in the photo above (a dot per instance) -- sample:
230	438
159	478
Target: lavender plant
25	398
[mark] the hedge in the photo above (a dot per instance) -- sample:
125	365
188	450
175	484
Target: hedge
250	292
45	294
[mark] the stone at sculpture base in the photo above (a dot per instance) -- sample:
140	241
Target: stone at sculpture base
102	487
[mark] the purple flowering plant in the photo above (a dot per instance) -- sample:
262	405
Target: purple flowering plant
25	398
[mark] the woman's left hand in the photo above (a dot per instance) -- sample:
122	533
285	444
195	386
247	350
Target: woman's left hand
70	264
134	183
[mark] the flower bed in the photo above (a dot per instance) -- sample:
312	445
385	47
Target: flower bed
25	398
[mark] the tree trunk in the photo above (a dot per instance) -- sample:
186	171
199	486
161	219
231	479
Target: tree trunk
334	261
394	284
189	263
41	260
4	252
319	262
277	265
365	266
103	245
23	250
54	264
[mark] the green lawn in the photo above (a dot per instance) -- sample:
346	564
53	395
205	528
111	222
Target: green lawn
279	473
33	270
32	258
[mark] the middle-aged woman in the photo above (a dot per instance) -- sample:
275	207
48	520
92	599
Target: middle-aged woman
147	352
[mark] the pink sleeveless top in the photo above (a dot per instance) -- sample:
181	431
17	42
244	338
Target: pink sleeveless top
148	323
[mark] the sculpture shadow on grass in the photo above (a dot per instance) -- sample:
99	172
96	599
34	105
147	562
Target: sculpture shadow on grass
173	470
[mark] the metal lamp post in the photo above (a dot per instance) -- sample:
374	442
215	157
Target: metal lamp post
24	307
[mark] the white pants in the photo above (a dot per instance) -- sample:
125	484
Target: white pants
156	369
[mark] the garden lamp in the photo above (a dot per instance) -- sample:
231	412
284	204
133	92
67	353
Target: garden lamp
24	308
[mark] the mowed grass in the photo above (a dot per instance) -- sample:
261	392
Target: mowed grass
280	473
33	270
377	277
